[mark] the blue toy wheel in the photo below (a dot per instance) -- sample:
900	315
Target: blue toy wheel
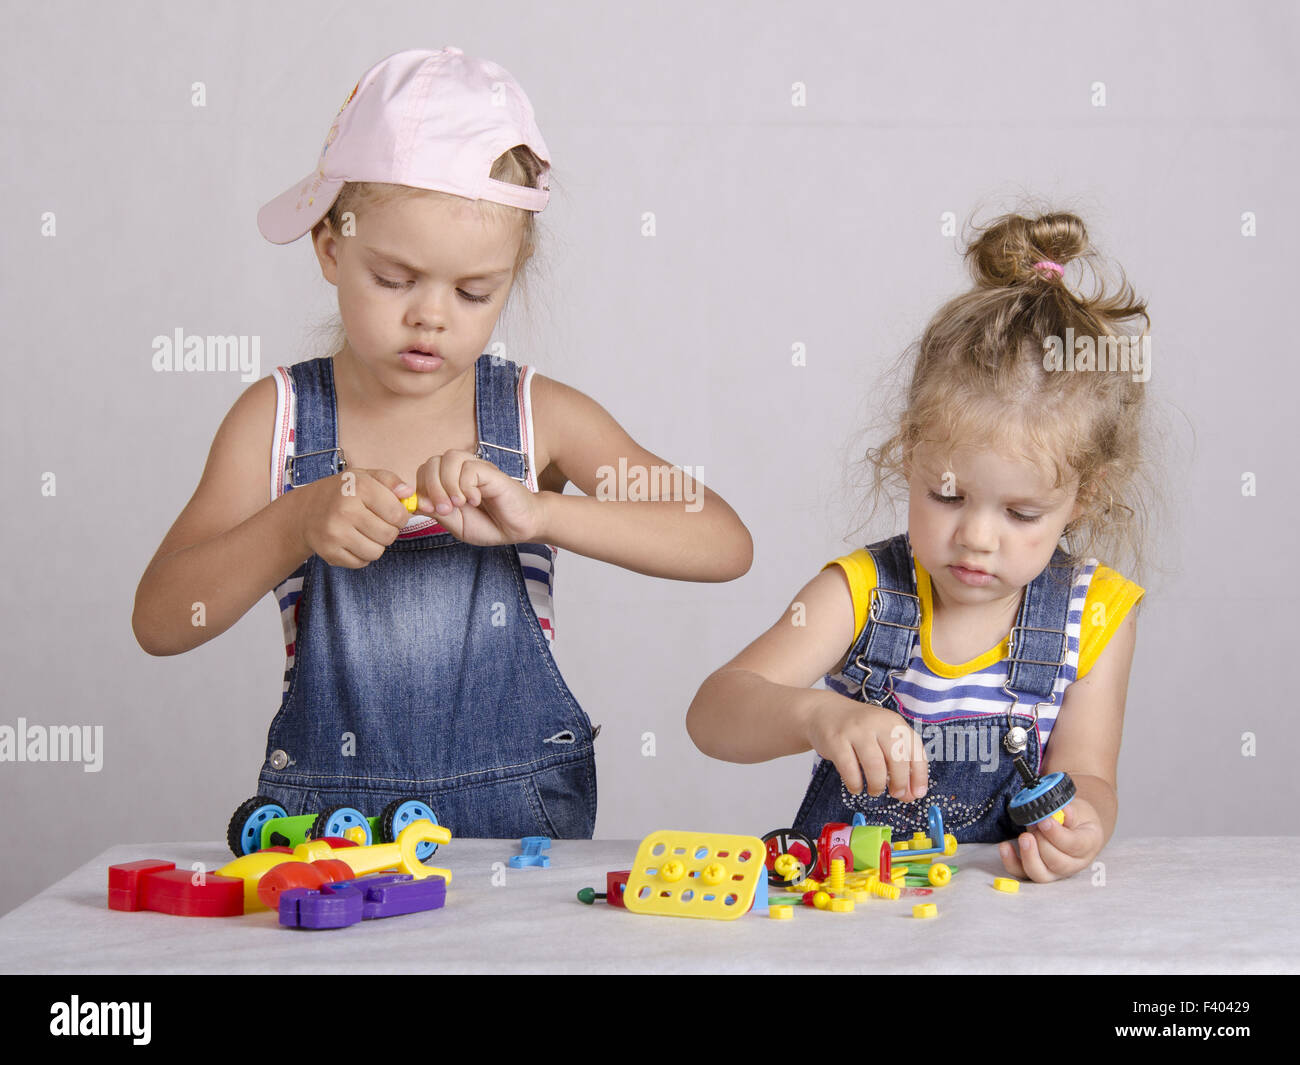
402	812
1038	802
244	833
339	821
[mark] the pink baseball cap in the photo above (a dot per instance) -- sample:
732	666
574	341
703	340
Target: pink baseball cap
431	120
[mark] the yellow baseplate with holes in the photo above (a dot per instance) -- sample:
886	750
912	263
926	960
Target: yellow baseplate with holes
695	874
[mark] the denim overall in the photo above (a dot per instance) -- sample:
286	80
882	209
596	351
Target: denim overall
426	673
973	801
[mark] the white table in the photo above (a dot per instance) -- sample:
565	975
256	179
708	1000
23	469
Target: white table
1179	905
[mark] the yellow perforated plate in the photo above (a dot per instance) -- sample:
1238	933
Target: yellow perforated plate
695	874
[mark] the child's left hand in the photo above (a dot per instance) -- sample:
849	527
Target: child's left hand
476	502
1051	851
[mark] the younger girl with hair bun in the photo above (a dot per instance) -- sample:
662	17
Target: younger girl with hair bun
1019	477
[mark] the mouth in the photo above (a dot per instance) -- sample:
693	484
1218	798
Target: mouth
971	569
428	352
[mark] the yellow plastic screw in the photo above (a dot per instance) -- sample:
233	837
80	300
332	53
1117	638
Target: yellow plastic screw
713	873
672	870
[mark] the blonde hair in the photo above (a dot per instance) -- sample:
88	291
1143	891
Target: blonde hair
978	378
518	166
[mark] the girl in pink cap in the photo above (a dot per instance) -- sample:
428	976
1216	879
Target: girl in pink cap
415	506
977	664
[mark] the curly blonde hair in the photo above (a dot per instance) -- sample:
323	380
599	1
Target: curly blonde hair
518	166
979	377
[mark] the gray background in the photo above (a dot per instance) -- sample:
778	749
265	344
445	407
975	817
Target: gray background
776	225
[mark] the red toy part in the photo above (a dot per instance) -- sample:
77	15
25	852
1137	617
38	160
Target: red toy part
886	869
834	843
311	875
615	882
157	885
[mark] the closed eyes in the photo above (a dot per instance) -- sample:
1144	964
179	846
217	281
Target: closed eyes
957	499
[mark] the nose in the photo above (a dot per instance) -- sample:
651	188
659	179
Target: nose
975	531
428	308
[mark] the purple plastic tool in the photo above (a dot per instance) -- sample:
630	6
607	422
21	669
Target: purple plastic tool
350	901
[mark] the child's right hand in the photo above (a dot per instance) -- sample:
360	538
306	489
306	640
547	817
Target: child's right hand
859	737
350	518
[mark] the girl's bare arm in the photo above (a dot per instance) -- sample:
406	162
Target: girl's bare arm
229	546
693	536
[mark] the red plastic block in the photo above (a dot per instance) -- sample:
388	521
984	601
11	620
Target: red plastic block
160	886
126	882
615	882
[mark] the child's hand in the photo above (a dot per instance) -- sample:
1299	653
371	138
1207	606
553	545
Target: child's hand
857	737
476	502
349	519
1051	851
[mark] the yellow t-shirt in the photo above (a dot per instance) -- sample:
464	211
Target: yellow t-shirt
1107	597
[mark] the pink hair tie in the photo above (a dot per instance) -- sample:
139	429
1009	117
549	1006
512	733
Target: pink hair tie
1056	268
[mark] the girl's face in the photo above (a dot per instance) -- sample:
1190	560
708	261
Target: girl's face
420	272
992	513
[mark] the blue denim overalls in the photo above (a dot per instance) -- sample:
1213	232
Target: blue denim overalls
426	673
973	801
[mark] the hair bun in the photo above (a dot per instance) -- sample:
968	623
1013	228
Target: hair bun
1004	252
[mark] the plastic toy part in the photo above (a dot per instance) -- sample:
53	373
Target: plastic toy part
836	880
788	869
833	843
290	875
781	913
667	877
342	821
1039	799
841	905
588	895
1059	817
411	502
615	883
156	885
1007	884
244	833
788	841
343	904
940	874
402	812
532	856
925	909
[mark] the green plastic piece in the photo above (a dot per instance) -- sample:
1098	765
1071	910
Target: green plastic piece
295	829
865	841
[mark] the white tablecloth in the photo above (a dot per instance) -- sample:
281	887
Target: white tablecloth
1183	905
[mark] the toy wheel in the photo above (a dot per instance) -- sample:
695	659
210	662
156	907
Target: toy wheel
940	874
244	833
788	841
1033	804
338	821
949	845
401	812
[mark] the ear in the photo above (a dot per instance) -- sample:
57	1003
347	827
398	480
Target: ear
326	246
